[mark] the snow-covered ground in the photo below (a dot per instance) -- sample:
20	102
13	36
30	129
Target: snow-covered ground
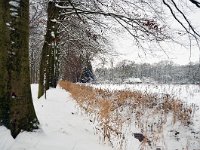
62	127
174	136
187	93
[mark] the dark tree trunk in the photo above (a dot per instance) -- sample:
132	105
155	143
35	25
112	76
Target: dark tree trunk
49	60
20	114
4	47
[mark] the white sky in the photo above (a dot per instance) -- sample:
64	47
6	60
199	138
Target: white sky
123	43
171	52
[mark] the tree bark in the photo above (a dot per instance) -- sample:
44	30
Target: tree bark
4	45
20	113
49	60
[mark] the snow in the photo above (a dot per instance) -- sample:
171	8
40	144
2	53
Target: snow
188	137
53	34
61	127
63	7
8	24
54	20
188	93
14	3
13	10
132	80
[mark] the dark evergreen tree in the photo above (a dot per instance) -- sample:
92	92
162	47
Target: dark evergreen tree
87	75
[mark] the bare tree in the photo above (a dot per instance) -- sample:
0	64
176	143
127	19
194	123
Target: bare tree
140	25
144	20
79	45
179	15
37	30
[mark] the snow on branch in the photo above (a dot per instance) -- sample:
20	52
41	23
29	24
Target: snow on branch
194	33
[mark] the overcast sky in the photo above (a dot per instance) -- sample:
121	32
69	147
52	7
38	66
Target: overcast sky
171	52
123	43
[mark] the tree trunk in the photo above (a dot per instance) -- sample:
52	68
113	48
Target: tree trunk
4	46
49	60
21	113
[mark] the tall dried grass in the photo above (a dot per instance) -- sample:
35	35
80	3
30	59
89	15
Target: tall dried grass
116	110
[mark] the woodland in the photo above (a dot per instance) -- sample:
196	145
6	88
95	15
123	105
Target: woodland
45	41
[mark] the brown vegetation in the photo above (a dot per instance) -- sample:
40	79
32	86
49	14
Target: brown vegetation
115	111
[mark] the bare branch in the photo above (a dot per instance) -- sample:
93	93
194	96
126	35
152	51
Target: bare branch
194	34
195	2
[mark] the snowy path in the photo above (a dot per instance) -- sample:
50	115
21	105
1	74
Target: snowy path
61	127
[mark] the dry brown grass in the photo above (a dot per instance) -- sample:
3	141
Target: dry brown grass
112	110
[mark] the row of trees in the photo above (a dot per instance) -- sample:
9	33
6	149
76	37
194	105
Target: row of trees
74	29
162	72
72	33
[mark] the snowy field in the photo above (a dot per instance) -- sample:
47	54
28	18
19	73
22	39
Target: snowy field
175	136
187	93
62	127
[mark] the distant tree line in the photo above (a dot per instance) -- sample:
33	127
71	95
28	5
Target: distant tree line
162	72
